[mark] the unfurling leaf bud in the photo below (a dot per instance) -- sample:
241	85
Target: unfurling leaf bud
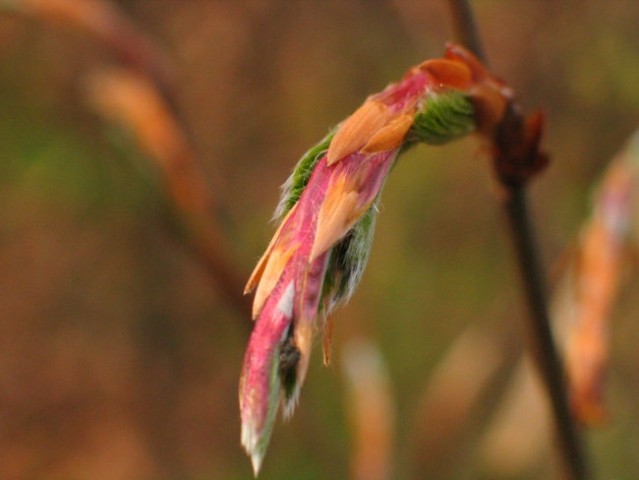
327	217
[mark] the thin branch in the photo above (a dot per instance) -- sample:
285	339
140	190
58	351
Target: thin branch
372	410
140	95
132	100
516	159
544	350
474	371
106	24
465	27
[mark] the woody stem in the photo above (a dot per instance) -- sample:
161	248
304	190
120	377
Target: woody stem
541	343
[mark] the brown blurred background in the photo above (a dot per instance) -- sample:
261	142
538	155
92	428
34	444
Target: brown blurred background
119	358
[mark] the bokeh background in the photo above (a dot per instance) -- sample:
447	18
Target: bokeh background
119	357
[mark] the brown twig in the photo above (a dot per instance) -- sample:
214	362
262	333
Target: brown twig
543	346
372	412
461	394
140	96
103	22
516	159
131	99
465	27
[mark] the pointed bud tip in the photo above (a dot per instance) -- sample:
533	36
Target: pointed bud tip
252	446
256	461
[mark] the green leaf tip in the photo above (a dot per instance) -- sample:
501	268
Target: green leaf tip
296	183
443	117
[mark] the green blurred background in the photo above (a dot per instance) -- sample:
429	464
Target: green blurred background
120	360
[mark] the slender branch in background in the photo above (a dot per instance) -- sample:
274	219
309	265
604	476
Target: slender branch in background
466	32
130	99
461	394
103	22
139	95
372	410
516	159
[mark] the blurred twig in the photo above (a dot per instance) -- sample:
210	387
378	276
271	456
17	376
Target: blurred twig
505	451
139	95
371	410
514	156
461	393
465	27
106	24
130	99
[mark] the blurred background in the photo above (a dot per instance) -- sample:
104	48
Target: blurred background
119	351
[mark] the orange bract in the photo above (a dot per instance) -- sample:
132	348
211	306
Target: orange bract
336	216
358	129
267	272
452	73
389	136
